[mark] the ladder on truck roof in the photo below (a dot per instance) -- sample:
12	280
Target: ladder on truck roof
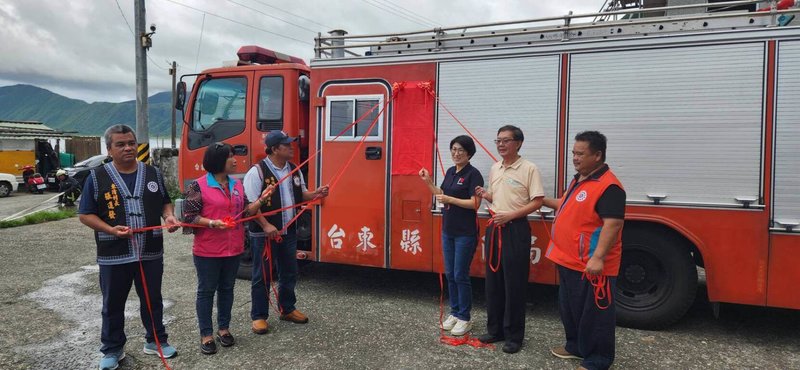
610	6
636	22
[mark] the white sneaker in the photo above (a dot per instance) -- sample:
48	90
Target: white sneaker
462	327
449	322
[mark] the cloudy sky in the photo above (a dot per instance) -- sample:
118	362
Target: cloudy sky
84	49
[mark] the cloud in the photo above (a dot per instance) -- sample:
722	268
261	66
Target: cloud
84	49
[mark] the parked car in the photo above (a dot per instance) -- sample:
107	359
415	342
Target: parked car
8	184
80	170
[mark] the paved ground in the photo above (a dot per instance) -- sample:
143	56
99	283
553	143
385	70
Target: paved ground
360	318
19	201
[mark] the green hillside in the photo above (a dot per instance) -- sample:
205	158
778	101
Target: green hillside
31	103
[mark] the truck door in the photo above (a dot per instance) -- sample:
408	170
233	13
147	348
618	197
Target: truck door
353	220
269	112
218	113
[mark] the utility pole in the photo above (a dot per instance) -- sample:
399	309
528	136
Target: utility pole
143	42
174	72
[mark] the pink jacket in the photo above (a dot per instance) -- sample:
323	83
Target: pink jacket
217	206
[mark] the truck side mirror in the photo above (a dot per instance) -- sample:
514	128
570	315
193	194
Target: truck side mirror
303	85
180	96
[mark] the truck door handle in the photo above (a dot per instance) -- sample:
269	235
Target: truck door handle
240	149
373	153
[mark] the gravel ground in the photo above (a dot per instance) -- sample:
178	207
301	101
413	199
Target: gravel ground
360	318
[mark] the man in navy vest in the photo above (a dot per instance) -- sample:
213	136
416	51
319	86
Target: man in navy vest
270	171
118	197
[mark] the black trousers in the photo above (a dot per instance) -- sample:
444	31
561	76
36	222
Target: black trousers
506	289
115	283
589	330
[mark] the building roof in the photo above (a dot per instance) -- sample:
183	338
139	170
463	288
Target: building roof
27	130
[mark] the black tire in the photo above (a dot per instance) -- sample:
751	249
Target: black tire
303	229
245	271
5	189
657	280
246	262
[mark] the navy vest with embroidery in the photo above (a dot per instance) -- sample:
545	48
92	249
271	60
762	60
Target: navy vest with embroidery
274	201
136	208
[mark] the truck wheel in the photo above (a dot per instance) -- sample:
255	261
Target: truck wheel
657	280
246	262
245	271
5	189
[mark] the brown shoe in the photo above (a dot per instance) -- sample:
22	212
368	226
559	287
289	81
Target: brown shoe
260	326
561	352
295	316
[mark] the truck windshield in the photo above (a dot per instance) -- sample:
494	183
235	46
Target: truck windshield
219	100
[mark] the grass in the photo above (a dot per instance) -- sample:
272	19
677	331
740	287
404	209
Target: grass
39	217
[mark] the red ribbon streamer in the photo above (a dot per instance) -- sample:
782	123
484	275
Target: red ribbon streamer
601	289
450	340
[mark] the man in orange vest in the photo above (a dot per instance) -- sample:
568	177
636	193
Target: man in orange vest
586	245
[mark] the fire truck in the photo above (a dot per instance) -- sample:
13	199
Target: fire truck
698	101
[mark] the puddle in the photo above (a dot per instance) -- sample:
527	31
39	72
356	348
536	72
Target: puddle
68	296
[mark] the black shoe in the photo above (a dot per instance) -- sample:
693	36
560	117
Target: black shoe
511	347
226	340
488	338
209	347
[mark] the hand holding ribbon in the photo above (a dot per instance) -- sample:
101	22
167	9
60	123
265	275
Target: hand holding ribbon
172	222
322	191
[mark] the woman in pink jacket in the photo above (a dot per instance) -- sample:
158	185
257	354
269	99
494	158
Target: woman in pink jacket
213	201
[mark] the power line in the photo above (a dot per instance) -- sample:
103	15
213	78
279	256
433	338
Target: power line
395	13
274	17
409	12
132	34
155	64
202	26
294	15
239	23
123	16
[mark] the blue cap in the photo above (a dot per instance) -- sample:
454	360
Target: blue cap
278	137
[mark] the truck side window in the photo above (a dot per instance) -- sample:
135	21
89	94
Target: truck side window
342	111
270	104
220	100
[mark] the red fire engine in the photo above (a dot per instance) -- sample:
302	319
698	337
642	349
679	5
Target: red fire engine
698	103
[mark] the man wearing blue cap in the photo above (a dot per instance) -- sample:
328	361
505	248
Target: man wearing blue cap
290	191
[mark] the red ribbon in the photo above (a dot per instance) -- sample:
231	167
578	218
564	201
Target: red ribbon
266	264
150	307
601	289
496	229
450	340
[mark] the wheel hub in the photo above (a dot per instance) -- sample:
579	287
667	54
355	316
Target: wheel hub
635	274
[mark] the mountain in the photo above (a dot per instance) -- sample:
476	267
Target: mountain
31	103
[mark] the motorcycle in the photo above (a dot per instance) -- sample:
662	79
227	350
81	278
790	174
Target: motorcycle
33	180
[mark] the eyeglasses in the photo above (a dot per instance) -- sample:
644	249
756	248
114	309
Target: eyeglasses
457	151
503	141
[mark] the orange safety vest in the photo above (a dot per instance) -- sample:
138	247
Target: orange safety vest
576	229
